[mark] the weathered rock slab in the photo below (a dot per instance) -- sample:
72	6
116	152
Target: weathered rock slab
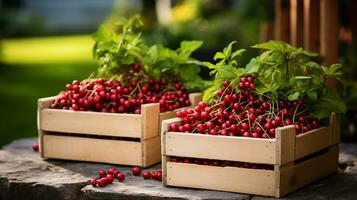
24	175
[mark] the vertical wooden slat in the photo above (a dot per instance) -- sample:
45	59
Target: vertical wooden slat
150	120
329	30
296	23
266	31
285	144
312	25
282	20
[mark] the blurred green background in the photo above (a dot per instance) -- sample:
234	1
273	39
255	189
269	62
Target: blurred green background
45	44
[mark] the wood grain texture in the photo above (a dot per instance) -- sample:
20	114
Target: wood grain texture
231	179
285	144
151	151
150	120
96	123
296	176
91	149
164	129
195	98
312	141
312	25
221	147
42	104
282	20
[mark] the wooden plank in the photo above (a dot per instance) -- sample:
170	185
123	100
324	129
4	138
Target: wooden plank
312	25
329	31
312	141
164	129
335	123
282	20
195	98
296	23
150	120
151	151
96	123
94	150
221	147
167	115
41	104
285	144
231	179
296	176
266	31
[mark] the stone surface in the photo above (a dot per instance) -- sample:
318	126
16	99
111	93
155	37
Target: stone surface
24	175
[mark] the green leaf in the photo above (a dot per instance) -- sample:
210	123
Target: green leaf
252	67
210	93
294	96
209	65
272	45
302	77
219	55
237	53
228	50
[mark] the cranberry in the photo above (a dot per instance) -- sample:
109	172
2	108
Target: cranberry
136	171
120	177
93	182
147	175
35	147
102	173
110	178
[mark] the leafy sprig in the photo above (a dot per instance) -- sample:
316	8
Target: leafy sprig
116	53
282	72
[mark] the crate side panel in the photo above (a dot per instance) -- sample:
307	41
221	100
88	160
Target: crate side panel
221	147
90	149
150	120
231	179
312	141
109	124
296	176
151	151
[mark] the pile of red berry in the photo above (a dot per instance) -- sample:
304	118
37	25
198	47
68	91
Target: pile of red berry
115	97
220	163
107	176
243	112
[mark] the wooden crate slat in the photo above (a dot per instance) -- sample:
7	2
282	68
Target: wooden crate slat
150	120
92	149
231	179
296	176
110	124
312	141
41	104
151	151
285	137
195	98
221	147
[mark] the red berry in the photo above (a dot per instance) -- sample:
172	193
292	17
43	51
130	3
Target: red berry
35	147
102	182
147	175
174	127
110	178
93	182
102	173
136	171
120	177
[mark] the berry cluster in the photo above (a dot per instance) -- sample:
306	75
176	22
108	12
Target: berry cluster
243	112
107	176
112	96
221	163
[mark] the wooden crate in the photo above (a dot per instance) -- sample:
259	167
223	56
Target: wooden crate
126	139
296	160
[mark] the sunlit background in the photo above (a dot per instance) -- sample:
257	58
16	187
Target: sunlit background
45	44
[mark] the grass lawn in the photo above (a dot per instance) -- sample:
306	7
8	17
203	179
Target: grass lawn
34	68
